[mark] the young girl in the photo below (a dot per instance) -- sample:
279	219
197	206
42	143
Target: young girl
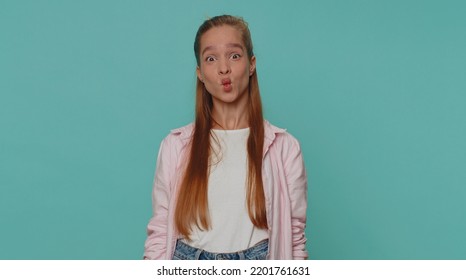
230	185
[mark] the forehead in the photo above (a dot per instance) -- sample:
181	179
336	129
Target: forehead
221	36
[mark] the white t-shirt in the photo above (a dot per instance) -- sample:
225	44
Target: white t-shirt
231	228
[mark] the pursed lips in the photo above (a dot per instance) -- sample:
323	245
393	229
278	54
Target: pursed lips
225	81
226	84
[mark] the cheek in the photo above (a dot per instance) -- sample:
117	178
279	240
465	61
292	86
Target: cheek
246	70
206	74
245	74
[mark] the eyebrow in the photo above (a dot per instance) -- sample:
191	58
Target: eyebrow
230	45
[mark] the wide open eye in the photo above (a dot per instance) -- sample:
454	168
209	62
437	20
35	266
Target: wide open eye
210	59
236	56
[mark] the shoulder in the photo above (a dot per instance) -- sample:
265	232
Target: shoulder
177	139
180	133
183	132
280	137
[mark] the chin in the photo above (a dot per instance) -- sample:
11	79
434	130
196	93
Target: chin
226	97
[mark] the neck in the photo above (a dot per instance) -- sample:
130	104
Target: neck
230	117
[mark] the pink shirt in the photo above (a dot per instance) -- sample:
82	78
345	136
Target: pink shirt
285	188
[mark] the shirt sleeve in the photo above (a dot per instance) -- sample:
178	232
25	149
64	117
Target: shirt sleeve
156	242
296	177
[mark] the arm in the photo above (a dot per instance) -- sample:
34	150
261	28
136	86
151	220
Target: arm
296	178
156	242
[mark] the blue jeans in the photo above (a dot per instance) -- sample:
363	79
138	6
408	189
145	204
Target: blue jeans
185	252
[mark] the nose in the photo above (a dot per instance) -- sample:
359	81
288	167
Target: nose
223	67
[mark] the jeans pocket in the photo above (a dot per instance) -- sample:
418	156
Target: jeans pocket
179	256
261	256
257	255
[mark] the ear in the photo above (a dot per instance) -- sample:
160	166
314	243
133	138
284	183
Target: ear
198	73
252	65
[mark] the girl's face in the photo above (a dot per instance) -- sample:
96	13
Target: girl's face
224	65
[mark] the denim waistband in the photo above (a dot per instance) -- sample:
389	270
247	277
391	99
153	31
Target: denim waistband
184	251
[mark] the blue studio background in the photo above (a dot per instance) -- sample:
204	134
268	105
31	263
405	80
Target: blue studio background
374	91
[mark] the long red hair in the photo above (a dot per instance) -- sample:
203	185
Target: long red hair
192	201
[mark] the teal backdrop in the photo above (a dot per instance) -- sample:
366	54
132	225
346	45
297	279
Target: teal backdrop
374	90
